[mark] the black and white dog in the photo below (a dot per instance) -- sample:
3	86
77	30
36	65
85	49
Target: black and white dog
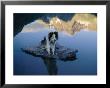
49	42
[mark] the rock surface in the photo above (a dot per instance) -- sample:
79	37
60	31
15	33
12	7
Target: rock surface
61	53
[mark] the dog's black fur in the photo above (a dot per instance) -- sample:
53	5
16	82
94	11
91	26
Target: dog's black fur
51	33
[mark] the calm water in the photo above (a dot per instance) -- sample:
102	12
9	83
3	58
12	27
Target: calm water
85	64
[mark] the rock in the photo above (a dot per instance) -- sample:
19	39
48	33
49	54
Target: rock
61	53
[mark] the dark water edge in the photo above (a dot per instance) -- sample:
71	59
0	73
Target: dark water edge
86	63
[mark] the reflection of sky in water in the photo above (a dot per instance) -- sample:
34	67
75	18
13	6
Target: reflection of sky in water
84	41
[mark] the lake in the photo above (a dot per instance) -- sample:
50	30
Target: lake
85	64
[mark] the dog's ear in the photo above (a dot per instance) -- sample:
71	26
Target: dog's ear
50	35
56	34
42	41
44	38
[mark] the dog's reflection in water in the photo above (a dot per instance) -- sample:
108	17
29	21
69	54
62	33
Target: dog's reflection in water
49	62
51	66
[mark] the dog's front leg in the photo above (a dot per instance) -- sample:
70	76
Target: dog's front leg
48	50
53	50
48	47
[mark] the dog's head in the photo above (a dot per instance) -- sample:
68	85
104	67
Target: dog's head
53	36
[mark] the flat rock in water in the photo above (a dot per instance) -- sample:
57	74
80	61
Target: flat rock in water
61	52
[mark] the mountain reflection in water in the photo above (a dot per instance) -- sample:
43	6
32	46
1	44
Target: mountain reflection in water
77	23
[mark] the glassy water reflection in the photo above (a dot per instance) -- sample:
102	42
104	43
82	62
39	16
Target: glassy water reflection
85	64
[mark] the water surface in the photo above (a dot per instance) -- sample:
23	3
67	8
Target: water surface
85	64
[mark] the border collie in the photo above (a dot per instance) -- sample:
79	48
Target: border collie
49	42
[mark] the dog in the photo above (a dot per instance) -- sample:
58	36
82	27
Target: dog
49	42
